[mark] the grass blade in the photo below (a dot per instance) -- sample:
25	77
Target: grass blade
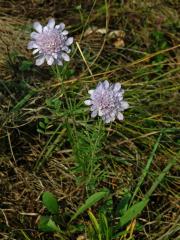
133	211
145	170
161	176
25	235
95	224
89	203
137	208
23	101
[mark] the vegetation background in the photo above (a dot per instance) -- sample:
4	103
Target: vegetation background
133	42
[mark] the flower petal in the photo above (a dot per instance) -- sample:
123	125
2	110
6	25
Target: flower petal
120	97
65	57
65	32
51	23
38	27
55	55
60	27
117	87
108	120
93	107
69	41
100	113
120	116
91	91
59	62
34	35
88	102
122	91
100	86
113	114
124	105
40	61
45	29
49	60
106	84
94	114
35	51
65	48
32	45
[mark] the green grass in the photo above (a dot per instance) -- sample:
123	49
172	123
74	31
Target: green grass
110	181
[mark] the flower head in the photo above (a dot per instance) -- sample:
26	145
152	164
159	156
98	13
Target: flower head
107	102
50	43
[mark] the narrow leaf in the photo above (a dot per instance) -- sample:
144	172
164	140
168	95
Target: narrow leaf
89	203
137	208
23	101
123	204
161	176
95	224
146	169
133	211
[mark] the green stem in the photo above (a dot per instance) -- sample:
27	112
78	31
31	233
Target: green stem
48	149
60	77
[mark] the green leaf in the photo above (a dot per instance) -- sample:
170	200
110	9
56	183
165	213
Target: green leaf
105	229
89	203
23	101
51	225
42	125
25	65
133	211
46	120
146	169
46	224
137	208
50	202
95	224
40	131
123	204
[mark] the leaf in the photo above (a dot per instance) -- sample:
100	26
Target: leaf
137	208
162	175
105	229
95	224
146	169
46	224
89	203
50	202
23	101
25	65
52	225
123	204
42	125
133	211
40	131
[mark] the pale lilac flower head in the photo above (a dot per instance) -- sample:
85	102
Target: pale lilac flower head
107	101
50	43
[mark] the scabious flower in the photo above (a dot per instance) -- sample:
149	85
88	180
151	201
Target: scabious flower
50	43
107	101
